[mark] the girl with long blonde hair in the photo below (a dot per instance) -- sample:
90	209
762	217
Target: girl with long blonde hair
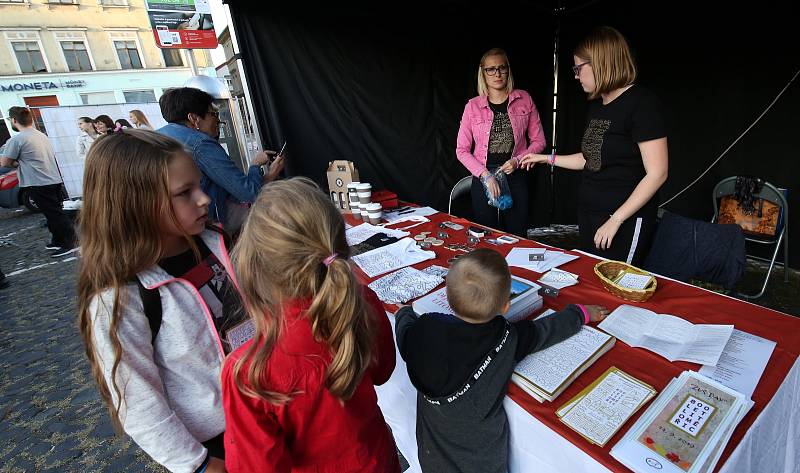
156	307
300	395
139	120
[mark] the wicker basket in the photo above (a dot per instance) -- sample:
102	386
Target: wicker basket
607	271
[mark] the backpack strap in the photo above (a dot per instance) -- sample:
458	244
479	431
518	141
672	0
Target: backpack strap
151	301
226	238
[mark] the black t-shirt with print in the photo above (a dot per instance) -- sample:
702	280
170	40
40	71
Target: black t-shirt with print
610	146
501	136
211	280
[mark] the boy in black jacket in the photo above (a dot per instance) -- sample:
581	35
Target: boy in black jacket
461	364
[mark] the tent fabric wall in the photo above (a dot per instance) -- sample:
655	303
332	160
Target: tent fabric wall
387	90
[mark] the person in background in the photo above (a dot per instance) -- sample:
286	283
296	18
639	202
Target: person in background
139	120
461	423
86	138
122	123
156	299
31	150
498	127
624	155
194	121
300	396
103	124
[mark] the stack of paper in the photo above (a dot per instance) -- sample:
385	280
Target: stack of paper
686	428
667	335
390	257
525	299
599	411
358	234
527	258
546	374
559	279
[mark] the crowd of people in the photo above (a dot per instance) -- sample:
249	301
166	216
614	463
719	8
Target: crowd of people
226	330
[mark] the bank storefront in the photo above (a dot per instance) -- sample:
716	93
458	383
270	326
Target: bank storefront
88	88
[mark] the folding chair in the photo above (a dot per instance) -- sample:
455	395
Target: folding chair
772	194
462	187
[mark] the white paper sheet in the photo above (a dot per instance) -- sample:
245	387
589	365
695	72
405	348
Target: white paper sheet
390	257
403	285
635	281
359	233
742	362
599	414
519	257
668	335
559	279
392	217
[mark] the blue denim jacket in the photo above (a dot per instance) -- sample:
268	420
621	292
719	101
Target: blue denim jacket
222	179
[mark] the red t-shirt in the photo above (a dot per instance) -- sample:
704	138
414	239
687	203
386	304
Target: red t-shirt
314	431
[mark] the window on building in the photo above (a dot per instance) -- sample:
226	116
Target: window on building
128	55
76	55
139	96
114	3
12	1
98	98
64	2
29	56
172	57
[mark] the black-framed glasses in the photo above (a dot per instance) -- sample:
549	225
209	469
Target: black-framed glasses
577	67
494	70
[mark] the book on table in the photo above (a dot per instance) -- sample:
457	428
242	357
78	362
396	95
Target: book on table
545	374
525	300
685	429
601	409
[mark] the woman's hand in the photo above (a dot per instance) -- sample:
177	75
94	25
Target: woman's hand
530	160
605	234
509	166
596	312
491	184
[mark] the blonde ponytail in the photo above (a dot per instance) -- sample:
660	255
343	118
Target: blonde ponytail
289	235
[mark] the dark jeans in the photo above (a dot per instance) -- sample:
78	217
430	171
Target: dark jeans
48	199
513	220
630	244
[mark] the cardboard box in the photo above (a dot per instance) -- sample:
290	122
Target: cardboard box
341	173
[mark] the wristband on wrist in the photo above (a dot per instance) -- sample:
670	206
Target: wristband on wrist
585	314
551	160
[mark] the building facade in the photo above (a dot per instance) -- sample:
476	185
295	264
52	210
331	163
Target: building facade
85	52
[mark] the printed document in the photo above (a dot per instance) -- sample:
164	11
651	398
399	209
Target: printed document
667	335
742	362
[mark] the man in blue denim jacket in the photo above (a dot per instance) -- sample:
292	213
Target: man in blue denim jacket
194	121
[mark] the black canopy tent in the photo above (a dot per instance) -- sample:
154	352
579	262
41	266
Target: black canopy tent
384	85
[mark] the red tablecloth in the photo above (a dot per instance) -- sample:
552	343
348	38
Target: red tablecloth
689	302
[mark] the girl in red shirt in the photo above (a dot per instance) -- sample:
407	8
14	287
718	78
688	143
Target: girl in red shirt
300	396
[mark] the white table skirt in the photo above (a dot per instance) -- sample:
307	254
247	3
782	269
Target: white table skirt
772	444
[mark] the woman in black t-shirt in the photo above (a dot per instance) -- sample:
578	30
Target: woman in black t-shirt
624	151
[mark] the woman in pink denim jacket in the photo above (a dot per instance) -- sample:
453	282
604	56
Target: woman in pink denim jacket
498	128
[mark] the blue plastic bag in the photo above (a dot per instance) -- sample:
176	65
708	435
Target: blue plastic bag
504	200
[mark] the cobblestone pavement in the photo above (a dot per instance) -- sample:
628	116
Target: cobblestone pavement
51	417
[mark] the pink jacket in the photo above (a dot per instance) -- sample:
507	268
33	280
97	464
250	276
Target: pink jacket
473	134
